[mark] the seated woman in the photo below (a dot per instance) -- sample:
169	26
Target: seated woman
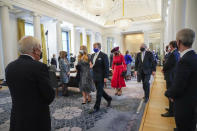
118	67
64	72
86	83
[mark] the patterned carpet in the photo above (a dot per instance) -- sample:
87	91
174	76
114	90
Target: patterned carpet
69	115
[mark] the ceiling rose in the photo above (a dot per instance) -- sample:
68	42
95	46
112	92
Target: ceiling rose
98	7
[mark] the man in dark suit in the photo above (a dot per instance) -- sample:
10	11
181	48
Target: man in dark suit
144	67
30	88
169	69
184	88
54	61
100	65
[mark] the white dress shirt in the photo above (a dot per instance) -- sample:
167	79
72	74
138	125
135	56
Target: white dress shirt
184	52
142	55
95	57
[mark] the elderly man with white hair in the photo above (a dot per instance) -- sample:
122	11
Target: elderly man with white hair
30	88
184	88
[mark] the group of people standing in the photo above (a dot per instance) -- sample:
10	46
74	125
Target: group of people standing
180	71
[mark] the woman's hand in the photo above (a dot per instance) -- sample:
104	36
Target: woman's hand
68	73
91	65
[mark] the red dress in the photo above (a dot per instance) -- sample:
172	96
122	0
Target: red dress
118	67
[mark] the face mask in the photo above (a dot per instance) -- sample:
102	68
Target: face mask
81	51
96	50
142	49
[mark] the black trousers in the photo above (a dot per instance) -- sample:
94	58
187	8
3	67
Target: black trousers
171	104
146	85
100	93
185	115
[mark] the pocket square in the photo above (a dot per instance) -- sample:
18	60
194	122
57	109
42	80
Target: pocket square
99	58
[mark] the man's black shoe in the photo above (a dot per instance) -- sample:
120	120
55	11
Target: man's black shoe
175	129
145	100
167	114
109	103
167	109
93	111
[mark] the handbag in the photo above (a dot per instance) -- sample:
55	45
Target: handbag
124	73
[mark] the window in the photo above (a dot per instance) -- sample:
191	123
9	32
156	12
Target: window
29	29
65	42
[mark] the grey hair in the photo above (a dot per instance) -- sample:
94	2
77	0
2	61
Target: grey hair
27	44
144	45
186	36
98	44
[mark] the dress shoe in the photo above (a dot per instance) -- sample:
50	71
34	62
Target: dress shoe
93	111
175	129
167	114
145	100
109	103
167	109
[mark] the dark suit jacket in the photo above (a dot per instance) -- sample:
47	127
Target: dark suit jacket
148	64
54	62
101	67
184	88
169	67
31	92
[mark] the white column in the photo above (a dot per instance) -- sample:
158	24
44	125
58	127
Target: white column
92	41
179	18
171	32
104	43
37	30
162	43
6	55
146	39
84	35
59	37
73	40
191	18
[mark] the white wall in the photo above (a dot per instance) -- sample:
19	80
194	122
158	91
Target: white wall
52	38
1	56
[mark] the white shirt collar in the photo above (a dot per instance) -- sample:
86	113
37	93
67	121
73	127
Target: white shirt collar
184	52
98	52
29	56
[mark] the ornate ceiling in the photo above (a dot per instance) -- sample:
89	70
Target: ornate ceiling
137	10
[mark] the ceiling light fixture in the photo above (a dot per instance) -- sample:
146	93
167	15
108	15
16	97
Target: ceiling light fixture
123	23
98	7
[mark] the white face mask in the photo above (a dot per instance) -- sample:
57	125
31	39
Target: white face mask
81	51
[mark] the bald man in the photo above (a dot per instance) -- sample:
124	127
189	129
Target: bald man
144	67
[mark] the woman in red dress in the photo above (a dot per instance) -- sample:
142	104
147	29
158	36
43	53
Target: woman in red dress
118	67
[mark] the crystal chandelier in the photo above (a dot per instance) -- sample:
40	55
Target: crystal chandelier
123	23
98	7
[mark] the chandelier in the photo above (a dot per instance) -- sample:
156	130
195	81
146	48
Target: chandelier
123	23
98	7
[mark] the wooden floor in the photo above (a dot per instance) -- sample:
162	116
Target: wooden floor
152	120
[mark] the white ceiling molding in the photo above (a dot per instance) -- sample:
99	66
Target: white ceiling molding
53	11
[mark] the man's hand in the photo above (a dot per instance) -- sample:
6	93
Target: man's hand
153	73
135	73
105	80
172	100
68	73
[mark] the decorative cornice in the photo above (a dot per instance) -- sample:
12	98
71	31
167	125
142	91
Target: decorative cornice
2	3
